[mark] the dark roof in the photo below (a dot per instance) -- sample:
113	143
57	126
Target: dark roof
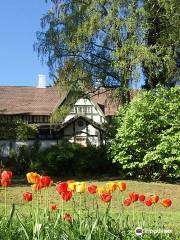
29	100
43	101
109	99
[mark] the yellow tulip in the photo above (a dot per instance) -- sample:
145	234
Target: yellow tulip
101	190
72	186
111	186
33	177
80	187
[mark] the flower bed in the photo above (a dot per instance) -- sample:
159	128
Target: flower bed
83	211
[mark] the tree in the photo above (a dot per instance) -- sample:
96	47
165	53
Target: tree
106	42
17	129
163	36
147	142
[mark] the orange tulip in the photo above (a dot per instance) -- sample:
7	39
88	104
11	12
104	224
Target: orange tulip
166	202
122	186
154	198
33	177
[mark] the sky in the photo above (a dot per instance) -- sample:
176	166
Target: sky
19	21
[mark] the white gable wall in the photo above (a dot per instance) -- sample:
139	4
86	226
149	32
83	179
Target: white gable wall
93	112
75	133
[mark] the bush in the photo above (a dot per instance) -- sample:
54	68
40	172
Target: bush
64	159
147	142
68	159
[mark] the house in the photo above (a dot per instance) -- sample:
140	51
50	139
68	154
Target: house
83	124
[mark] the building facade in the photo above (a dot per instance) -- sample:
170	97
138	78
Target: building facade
84	123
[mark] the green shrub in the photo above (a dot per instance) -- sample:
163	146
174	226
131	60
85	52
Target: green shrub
68	159
147	142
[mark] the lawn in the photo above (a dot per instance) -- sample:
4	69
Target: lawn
170	216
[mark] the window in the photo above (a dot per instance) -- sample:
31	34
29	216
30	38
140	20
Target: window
84	109
80	123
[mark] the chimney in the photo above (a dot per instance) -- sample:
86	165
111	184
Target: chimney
41	83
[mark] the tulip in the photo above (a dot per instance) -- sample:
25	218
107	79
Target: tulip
122	186
5	182
33	177
92	189
154	198
141	198
148	202
62	187
166	202
101	190
6	175
72	186
67	217
66	196
27	196
54	207
106	197
80	187
127	202
111	186
134	196
37	186
46	181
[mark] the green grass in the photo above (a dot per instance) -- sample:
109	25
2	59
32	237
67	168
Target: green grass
170	217
163	190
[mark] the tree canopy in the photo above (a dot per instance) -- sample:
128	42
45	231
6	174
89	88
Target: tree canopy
107	42
147	142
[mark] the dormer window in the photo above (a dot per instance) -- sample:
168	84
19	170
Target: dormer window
81	109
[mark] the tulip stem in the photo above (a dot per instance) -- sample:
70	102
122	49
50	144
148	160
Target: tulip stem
80	205
133	212
5	202
62	209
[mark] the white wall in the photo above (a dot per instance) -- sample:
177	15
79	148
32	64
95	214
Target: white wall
98	116
83	131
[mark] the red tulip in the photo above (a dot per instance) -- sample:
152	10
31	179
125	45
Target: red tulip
66	196
46	181
141	198
92	189
106	197
127	202
5	182
62	187
67	217
166	202
6	175
27	196
122	186
154	198
54	207
134	196
148	202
